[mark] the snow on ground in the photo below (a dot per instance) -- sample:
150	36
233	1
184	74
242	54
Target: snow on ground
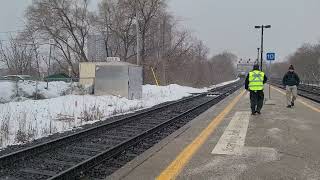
6	91
153	95
21	122
316	85
224	83
12	91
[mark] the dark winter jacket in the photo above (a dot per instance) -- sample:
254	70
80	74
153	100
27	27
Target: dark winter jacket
291	79
265	79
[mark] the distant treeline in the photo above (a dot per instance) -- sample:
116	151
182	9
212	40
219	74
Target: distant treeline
175	54
306	61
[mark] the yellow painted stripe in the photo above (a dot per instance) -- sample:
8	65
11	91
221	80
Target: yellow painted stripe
299	100
173	170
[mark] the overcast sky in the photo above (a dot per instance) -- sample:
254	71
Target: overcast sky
225	24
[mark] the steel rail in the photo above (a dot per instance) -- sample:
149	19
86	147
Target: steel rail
307	93
96	160
26	153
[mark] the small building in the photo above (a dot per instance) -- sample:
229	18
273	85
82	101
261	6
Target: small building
87	73
58	77
113	78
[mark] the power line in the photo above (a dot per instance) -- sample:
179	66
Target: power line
8	32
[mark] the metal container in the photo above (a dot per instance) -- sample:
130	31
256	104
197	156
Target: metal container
119	79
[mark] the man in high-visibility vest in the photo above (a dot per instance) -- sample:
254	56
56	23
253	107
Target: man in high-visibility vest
255	84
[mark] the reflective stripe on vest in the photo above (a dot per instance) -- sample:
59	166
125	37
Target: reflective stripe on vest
256	80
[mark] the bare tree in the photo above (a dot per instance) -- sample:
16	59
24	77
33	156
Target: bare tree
116	22
173	52
29	38
16	56
65	21
147	11
306	61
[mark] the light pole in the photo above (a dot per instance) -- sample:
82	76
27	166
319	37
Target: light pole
258	55
262	27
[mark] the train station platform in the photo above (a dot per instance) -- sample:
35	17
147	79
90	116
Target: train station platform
227	142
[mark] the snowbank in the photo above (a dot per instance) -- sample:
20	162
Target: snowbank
153	95
21	122
224	83
10	91
7	91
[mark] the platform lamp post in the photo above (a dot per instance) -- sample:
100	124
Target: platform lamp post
262	27
258	55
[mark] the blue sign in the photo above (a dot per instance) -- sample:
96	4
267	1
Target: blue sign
271	56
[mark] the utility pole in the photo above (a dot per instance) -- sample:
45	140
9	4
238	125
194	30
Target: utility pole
51	42
162	52
138	35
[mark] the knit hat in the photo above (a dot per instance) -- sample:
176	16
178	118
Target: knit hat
291	67
256	67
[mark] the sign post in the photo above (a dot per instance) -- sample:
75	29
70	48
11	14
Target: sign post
270	57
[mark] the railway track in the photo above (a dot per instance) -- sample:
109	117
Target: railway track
309	92
99	151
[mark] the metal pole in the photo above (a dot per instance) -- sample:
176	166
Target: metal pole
270	78
49	67
262	28
138	35
162	52
258	55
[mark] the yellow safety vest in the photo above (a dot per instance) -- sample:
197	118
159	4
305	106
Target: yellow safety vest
256	78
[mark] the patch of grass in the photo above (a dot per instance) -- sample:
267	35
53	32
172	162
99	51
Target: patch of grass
92	114
4	130
21	137
37	96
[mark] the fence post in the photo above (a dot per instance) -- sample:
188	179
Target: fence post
17	88
71	85
37	89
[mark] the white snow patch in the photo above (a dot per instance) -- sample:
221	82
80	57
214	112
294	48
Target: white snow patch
6	91
153	95
12	91
25	121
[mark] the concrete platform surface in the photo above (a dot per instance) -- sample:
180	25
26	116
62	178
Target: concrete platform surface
226	142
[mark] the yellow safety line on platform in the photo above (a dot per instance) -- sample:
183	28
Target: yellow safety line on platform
173	170
299	100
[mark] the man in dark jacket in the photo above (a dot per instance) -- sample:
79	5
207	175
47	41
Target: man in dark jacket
255	84
291	81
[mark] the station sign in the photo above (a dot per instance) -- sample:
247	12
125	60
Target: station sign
271	56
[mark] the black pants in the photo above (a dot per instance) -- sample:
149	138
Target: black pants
256	99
